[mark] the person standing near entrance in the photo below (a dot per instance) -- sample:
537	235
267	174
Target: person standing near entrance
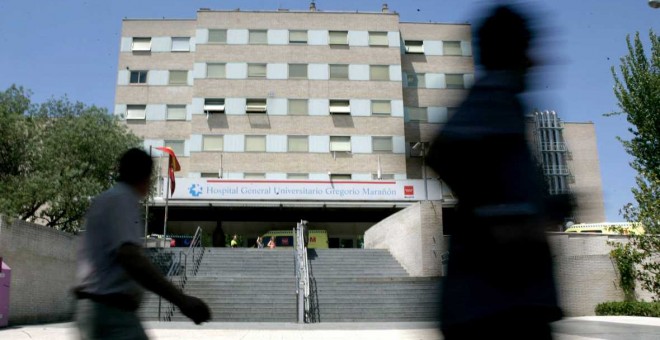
234	241
112	268
260	242
271	243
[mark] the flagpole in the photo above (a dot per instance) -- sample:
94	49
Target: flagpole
167	195
146	213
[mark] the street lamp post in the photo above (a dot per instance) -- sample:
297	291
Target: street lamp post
422	146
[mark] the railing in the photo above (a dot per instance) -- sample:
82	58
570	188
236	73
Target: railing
179	270
553	146
556	170
302	272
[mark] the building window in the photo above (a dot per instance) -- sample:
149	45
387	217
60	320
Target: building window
297	176
417	114
451	111
210	175
254	175
379	72
298	71
452	48
256	70
141	45
340	177
176	112
340	143
381	144
216	71
298	107
178	77
214	105
378	39
256	105
417	80
181	44
298	37
338	37
136	112
255	143
381	107
176	145
340	107
212	143
338	71
138	77
258	37
417	149
298	144
217	36
382	176
414	46
454	81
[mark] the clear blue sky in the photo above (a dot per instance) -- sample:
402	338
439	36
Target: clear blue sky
70	47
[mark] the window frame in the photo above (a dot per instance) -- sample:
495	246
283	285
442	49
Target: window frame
183	146
377	67
342	177
299	42
253	65
222	143
343	107
458	52
247	137
426	114
378	114
330	66
139	73
217	30
344	42
458	76
413	48
176	106
291	176
134	107
350	148
297	137
187	48
215	105
384	151
224	70
142	40
306	76
256	106
169	78
257	31
383	33
288	109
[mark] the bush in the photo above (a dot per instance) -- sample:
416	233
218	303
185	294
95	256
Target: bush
629	308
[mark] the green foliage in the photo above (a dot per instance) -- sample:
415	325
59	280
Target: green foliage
60	155
629	308
626	257
637	89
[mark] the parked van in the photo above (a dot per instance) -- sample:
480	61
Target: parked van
318	239
615	228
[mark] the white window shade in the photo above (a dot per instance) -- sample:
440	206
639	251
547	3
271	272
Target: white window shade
452	48
378	39
338	71
216	71
340	107
258	37
254	175
212	143
181	44
338	37
178	77
214	105
298	37
136	112
255	143
257	70
298	107
381	107
340	143
298	144
414	46
379	72
176	145
217	36
256	106
454	81
381	144
176	112
297	176
417	114
141	44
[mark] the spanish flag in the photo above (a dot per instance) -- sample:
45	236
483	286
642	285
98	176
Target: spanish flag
173	165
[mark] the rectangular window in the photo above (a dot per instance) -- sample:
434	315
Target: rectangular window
212	143
177	146
256	70
381	144
181	44
417	114
297	176
139	77
141	45
454	81
176	112
416	80
298	37
451	48
340	177
378	39
381	107
298	71
414	46
338	71
216	71
258	37
214	105
298	107
340	107
379	72
340	143
217	36
255	143
338	37
178	77
210	175
451	111
255	105
298	144
254	175
382	176
136	112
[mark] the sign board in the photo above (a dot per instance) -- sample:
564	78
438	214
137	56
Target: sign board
305	190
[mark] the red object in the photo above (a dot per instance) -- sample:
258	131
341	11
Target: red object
172	243
285	241
173	165
409	190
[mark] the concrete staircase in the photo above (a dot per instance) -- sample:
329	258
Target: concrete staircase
365	285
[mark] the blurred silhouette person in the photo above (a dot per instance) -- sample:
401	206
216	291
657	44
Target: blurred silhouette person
234	241
112	266
500	279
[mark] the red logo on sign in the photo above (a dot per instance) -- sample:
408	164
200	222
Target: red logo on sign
409	190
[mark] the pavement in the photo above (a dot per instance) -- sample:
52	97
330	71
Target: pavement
582	328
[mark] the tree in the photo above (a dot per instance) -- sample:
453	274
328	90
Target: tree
637	89
66	154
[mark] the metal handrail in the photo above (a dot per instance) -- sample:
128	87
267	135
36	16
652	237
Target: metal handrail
302	273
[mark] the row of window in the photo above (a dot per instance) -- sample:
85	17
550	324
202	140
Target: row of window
452	81
298	176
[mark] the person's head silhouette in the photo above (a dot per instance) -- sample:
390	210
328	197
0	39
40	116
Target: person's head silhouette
504	38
